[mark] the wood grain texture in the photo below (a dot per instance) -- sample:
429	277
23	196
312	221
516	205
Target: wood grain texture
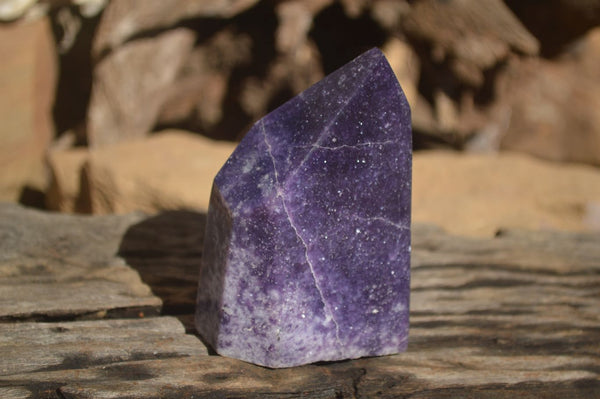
513	316
65	267
27	347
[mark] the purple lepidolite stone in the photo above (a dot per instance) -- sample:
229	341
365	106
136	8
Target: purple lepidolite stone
307	249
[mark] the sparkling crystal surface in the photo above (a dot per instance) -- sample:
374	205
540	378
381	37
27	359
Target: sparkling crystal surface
307	248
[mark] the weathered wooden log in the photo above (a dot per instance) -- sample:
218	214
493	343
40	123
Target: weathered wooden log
65	267
513	316
32	347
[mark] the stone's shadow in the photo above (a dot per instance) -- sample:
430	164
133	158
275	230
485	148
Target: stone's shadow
166	250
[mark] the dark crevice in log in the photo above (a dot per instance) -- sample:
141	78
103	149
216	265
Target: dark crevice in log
115	313
480	283
517	269
356	382
485	312
504	283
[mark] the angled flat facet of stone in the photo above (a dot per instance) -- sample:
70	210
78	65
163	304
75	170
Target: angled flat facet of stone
307	249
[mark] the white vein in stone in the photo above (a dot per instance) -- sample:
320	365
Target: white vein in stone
326	128
384	220
308	261
348	146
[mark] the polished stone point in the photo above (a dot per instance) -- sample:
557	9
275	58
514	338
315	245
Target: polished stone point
307	248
